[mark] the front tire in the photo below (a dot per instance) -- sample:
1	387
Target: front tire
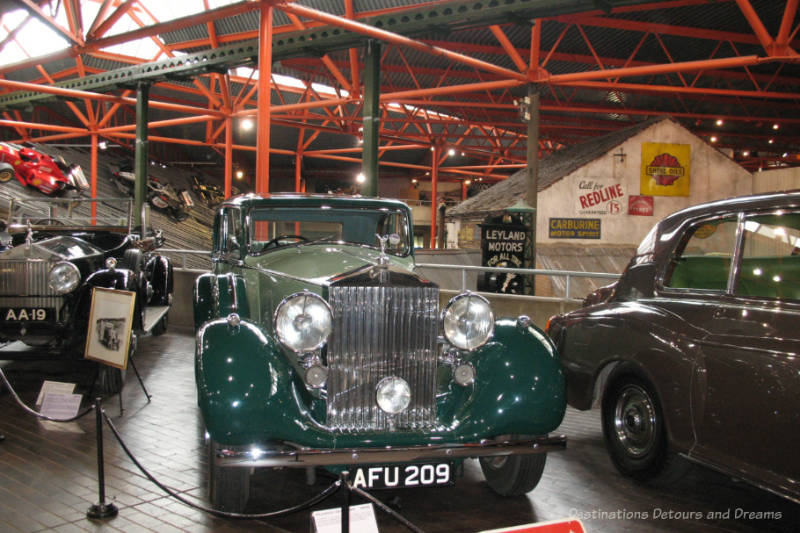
228	487
110	380
635	433
513	475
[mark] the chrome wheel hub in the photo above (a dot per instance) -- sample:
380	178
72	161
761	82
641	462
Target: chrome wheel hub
635	421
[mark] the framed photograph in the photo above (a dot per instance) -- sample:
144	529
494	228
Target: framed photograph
110	324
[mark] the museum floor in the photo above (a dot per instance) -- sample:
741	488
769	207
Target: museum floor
48	472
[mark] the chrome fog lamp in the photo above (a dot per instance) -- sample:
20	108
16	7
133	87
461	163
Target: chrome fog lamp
111	263
468	321
316	376
464	374
393	395
303	322
64	277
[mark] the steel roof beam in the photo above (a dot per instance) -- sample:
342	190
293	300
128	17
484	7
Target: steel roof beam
315	41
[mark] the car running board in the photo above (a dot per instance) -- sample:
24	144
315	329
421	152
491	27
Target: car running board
152	314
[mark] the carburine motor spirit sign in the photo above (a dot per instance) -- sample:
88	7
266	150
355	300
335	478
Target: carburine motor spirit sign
665	169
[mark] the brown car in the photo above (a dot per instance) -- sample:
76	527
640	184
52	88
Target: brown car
695	352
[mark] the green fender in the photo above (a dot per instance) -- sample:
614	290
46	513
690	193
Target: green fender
247	390
218	296
519	386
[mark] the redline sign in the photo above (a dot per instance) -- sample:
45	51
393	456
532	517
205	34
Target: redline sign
605	194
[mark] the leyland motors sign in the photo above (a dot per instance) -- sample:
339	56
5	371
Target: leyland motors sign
503	245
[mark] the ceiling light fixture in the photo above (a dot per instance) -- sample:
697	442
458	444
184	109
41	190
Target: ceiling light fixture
720	122
246	124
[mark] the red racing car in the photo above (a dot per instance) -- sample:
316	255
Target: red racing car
35	169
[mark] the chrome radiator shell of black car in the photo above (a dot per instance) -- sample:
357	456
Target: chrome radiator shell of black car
21	277
381	330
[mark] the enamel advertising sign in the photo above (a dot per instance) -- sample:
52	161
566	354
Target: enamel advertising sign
600	197
665	169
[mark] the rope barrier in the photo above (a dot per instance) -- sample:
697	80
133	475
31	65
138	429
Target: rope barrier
329	491
35	413
385	508
102	510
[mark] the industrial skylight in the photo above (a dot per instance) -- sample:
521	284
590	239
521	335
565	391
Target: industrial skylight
37	39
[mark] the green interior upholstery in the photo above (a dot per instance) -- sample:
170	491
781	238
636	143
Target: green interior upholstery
701	272
766	277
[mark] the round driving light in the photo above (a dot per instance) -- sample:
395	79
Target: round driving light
464	375
393	395
111	262
303	322
64	277
316	376
468	321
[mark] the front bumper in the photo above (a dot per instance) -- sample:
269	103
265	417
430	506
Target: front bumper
251	457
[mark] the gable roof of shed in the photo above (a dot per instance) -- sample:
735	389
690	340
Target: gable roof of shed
552	168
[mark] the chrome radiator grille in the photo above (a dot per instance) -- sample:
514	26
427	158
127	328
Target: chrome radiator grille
379	332
25	278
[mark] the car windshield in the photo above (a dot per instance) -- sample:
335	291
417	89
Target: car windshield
275	227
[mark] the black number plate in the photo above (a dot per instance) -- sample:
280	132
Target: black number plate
27	314
402	476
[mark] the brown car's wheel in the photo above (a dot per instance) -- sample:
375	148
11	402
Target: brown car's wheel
513	475
228	487
6	174
635	434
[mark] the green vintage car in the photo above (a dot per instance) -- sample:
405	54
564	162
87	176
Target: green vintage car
319	346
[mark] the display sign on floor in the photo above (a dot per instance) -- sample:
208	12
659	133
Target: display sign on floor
567	525
54	387
362	520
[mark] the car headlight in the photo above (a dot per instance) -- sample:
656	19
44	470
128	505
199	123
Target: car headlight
393	395
64	277
468	321
303	322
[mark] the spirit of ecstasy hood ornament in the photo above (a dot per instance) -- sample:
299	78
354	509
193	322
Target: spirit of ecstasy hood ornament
392	240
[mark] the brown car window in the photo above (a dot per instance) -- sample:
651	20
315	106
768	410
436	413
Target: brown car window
770	257
703	259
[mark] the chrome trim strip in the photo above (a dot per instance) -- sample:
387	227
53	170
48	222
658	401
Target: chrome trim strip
241	456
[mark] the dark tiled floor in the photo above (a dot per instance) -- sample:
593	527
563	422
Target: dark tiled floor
48	472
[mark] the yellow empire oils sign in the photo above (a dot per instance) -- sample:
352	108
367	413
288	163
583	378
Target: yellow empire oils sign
665	169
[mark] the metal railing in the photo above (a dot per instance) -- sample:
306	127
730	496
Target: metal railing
183	254
568	275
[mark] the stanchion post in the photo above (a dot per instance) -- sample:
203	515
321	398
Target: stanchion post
101	509
345	502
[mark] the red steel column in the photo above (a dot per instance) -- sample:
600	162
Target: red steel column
229	155
263	115
434	195
93	178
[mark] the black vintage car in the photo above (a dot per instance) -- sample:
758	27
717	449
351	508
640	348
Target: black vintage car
53	253
695	351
